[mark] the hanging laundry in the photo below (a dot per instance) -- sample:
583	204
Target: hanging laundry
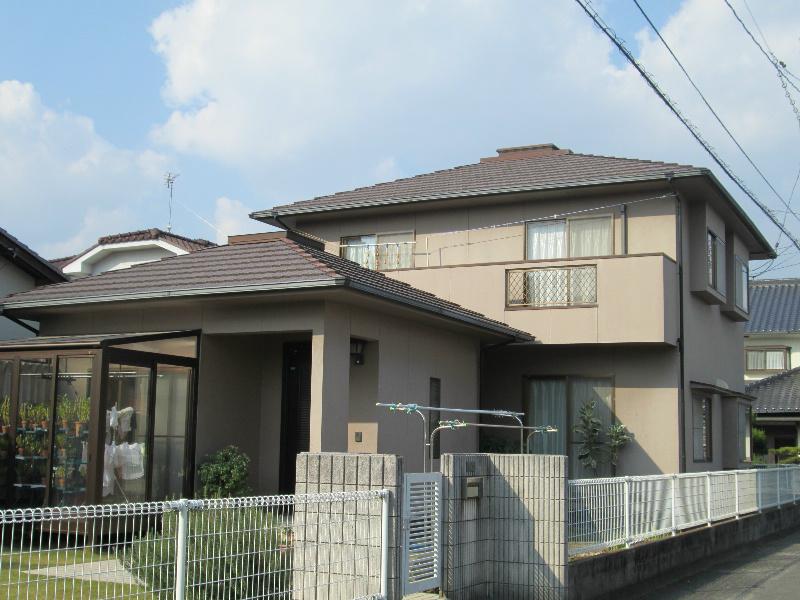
129	459
109	477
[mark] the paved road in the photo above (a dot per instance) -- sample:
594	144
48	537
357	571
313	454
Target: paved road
770	569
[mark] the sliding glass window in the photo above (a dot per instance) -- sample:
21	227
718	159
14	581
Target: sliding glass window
33	431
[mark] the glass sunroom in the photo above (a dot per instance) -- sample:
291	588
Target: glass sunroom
97	418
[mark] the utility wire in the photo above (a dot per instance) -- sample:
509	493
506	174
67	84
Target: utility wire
708	105
604	27
773	60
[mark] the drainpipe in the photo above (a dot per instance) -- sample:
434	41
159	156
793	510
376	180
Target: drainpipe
623	213
681	356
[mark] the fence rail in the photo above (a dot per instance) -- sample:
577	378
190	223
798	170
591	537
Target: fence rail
618	511
552	286
280	547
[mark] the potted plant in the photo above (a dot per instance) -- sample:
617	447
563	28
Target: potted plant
65	411
24	415
60	476
42	416
82	410
61	445
5	414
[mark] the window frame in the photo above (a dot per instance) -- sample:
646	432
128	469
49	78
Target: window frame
715	251
567	236
745	449
742	303
707	430
787	358
377	236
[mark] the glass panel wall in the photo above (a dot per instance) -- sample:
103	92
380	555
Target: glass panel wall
125	452
33	431
173	388
71	441
6	374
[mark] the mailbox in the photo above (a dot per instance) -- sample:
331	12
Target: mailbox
472	487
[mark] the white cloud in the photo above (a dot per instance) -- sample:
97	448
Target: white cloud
62	184
231	218
304	96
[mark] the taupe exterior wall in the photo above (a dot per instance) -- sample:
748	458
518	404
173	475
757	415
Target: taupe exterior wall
645	392
239	396
12	280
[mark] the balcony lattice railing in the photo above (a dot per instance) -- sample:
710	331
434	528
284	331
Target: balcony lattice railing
552	286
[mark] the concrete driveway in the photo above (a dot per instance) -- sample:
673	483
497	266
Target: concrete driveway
769	569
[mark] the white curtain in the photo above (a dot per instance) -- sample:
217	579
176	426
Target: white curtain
546	239
395	251
547	405
361	250
774	360
590	237
547	287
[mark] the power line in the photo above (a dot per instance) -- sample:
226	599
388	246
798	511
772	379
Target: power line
708	105
598	20
770	56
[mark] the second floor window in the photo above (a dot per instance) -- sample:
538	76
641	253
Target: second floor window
741	281
381	252
569	238
767	359
701	428
715	262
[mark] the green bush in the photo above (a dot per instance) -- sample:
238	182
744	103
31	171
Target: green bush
788	455
233	553
224	474
759	442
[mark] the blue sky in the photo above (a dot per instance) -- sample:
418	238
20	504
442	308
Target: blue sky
259	103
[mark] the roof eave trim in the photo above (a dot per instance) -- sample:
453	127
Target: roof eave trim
291	209
450	314
56	302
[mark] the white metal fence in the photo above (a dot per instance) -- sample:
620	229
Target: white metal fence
623	510
330	546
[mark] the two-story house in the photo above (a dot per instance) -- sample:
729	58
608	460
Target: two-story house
772	357
631	274
538	280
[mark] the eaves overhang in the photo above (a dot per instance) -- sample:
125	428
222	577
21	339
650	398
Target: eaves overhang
272	215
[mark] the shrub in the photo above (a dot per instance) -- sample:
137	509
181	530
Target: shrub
224	474
788	455
589	428
233	553
759	442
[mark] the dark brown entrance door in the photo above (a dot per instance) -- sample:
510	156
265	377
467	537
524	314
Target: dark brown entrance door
295	409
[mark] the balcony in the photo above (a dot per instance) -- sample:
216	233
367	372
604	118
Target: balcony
387	256
550	287
612	300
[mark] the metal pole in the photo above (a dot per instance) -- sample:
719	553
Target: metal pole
385	544
736	490
674	485
708	497
627	490
181	550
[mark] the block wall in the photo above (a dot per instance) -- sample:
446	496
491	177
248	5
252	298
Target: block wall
510	541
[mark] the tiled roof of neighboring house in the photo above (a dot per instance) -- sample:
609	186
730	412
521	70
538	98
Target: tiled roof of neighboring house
279	264
28	260
774	306
778	394
529	168
182	242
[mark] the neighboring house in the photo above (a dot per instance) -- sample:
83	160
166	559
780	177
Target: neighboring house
269	343
586	253
537	280
21	269
123	250
772	353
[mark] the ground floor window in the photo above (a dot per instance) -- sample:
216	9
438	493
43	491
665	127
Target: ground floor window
557	401
701	427
745	429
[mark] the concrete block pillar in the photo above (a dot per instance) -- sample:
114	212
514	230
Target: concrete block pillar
330	382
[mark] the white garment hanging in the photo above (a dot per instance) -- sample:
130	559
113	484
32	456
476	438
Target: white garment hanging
129	458
108	469
120	420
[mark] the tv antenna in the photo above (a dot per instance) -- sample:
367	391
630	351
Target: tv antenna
169	181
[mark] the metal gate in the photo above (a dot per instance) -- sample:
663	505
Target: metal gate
422	532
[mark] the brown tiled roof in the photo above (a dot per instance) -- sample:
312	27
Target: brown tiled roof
280	264
527	168
188	244
28	260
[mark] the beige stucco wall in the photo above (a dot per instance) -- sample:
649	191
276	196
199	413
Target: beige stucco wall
645	392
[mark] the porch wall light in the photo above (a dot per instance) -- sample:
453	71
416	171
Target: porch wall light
357	351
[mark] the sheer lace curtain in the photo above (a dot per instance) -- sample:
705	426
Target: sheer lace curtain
546	239
360	249
590	237
547	405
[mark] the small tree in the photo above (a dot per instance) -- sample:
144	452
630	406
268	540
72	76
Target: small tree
224	474
759	442
589	427
618	437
